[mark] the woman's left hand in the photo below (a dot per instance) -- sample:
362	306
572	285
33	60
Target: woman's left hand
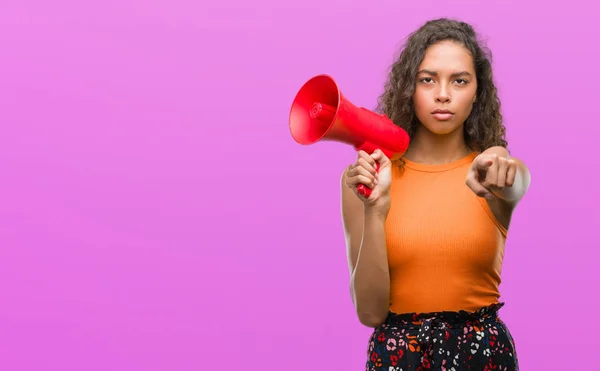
491	173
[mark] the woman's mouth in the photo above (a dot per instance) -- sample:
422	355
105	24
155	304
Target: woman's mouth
442	114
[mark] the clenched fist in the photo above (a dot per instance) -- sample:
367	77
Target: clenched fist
363	171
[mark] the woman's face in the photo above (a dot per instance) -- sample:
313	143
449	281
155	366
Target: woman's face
446	87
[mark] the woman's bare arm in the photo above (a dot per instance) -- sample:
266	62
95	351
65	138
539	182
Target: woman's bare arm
364	229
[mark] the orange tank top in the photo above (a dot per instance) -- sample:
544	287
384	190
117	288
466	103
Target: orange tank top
445	247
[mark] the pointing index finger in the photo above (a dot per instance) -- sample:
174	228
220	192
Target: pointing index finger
483	163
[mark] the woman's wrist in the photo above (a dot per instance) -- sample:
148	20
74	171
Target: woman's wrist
376	211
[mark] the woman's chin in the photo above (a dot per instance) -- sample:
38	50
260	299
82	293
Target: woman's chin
441	128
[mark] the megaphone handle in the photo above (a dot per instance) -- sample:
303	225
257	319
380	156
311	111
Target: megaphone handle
363	189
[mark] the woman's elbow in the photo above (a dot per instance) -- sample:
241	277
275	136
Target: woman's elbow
371	320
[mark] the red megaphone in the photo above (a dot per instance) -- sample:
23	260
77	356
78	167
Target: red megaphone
320	112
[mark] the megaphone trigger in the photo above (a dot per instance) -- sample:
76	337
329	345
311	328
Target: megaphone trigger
369	148
362	189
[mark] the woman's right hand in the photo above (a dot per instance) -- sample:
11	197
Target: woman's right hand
362	171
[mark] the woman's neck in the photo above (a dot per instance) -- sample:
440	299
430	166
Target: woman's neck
433	149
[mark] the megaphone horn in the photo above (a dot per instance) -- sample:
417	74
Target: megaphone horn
321	112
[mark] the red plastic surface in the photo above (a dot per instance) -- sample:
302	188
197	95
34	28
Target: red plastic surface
320	112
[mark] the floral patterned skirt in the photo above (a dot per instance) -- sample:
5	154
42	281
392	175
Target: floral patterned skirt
445	341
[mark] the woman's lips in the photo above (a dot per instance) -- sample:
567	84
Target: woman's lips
442	115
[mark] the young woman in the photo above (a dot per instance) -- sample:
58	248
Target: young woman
425	250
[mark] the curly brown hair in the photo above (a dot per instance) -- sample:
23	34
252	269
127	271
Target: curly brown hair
484	127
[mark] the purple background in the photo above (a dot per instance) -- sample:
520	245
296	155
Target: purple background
156	214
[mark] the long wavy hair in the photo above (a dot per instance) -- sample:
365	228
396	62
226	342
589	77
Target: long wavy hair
484	127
